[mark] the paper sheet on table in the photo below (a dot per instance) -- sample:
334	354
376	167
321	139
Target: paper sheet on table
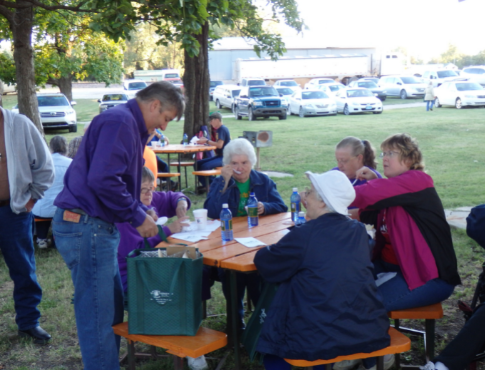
193	234
194	140
384	277
250	242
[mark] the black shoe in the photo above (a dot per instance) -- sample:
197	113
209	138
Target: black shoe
174	185
39	335
200	190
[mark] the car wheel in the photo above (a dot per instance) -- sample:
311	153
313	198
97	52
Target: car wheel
404	94
346	110
383	98
301	113
282	117
377	112
73	128
236	113
251	114
458	103
437	103
218	104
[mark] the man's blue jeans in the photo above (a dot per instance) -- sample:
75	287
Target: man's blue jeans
429	104
18	251
207	164
89	249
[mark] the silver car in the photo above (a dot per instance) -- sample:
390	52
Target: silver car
312	103
402	86
111	100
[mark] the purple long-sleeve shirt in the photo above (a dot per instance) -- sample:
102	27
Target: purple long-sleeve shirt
104	178
164	204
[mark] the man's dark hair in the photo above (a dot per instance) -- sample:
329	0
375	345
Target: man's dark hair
215	115
169	96
58	144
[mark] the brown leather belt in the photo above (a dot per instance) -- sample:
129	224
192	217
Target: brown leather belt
4	203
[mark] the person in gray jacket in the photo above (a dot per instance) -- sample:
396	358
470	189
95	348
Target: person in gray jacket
26	172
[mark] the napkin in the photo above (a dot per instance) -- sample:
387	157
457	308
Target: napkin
193	234
250	242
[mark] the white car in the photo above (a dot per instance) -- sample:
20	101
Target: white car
332	88
287	83
312	103
313	83
403	86
224	96
476	73
460	94
55	112
111	100
439	76
285	92
132	86
358	100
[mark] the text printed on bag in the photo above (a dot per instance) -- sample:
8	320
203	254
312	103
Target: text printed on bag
161	297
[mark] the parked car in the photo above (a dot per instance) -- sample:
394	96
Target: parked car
5	89
378	92
439	76
285	92
212	86
373	79
253	82
55	112
460	94
260	101
332	88
111	100
476	73
287	83
176	81
402	86
312	103
225	95
358	100
318	81
132	86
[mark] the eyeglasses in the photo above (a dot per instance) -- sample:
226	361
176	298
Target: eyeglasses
389	154
147	190
307	192
345	161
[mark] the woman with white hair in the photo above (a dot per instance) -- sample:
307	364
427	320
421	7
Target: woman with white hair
238	179
327	303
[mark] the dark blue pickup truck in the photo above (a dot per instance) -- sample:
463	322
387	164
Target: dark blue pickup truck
260	101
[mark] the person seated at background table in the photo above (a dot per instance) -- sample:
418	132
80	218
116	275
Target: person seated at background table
167	204
327	303
220	138
413	238
44	208
237	180
162	166
73	146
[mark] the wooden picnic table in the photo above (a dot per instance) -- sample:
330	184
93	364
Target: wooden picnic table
235	257
180	149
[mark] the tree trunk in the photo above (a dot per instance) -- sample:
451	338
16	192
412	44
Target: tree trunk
196	84
65	85
24	63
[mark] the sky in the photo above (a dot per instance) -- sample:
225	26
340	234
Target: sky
424	27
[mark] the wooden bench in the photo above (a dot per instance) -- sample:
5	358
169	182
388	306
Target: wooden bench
399	343
205	341
207	173
184	165
167	175
429	314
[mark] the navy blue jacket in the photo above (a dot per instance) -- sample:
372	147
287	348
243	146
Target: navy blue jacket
327	304
264	189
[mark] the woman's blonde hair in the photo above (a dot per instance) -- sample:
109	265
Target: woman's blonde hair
408	149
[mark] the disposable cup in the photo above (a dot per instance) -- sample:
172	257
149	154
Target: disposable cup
200	216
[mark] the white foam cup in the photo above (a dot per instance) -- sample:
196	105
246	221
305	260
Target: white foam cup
200	216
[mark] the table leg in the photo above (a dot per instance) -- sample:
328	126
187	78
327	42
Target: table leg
178	168
232	318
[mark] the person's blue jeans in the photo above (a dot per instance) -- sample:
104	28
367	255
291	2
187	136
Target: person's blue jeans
429	104
18	251
397	296
161	166
207	164
89	249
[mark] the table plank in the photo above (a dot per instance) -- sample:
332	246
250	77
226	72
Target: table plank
179	148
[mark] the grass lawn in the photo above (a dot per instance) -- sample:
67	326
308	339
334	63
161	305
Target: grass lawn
452	144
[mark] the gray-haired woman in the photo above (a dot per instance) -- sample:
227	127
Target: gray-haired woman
429	96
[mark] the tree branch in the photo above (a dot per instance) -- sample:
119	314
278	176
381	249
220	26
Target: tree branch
6	13
36	3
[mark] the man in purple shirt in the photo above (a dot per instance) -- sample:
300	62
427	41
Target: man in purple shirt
101	187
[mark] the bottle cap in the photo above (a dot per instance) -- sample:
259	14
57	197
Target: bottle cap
225	205
251	194
295	189
301	214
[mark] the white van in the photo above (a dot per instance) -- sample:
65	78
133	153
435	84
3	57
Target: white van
4	88
224	95
439	76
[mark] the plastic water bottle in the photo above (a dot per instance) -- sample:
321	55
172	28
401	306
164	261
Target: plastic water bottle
205	134
301	219
252	204
162	139
295	204
186	139
226	223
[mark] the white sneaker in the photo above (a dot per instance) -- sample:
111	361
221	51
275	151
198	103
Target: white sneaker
346	364
428	366
43	243
198	363
388	362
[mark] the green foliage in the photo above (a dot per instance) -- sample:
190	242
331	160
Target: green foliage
7	71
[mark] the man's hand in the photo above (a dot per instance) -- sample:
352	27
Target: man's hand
152	213
260	208
181	209
202	140
30	204
148	228
177	225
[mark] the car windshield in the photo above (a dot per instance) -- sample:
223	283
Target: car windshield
215	83
336	87
367	84
136	85
262	91
256	83
114	97
172	75
443	74
285	91
52	101
409	80
313	95
235	93
326	81
467	86
288	83
358	93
